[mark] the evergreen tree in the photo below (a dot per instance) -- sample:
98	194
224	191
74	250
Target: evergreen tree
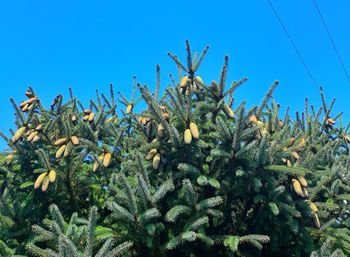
194	174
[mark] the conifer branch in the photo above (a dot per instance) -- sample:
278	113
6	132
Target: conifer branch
266	98
200	59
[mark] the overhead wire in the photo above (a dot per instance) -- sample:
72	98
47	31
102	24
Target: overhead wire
332	41
293	45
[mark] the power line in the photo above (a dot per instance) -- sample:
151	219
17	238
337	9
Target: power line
293	44
332	41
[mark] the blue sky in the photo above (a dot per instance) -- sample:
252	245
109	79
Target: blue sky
86	45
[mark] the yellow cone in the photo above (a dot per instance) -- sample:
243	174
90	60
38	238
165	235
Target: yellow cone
39	127
45	184
60	141
60	151
36	138
91	116
95	167
75	140
156	161
330	121
199	80
18	134
107	159
96	164
32	135
25	107
39	180
160	130
31	106
305	192
9	158
313	207
129	108
228	111
297	187
302	181
253	119
151	154
194	130
188	136
52	176
284	160
68	150
31	100
28	132
184	81
295	155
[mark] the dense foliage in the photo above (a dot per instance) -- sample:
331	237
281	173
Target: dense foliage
190	175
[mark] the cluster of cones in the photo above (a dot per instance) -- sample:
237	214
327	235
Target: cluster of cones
104	159
299	186
191	133
32	134
65	145
45	179
187	87
89	115
30	103
155	156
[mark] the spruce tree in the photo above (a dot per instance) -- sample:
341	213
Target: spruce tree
193	174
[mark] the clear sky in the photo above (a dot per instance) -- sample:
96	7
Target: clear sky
53	45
